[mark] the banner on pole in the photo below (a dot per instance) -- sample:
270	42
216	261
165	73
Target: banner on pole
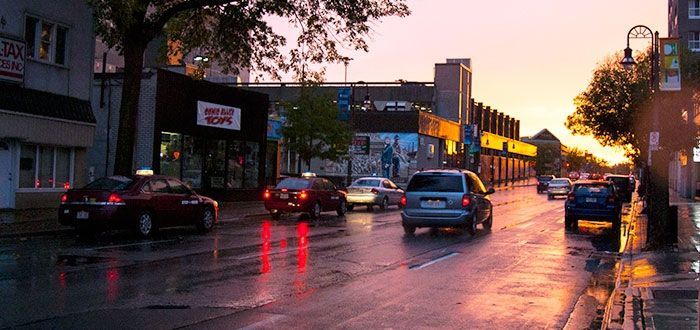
670	68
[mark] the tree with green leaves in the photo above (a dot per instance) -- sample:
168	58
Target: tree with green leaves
235	34
312	129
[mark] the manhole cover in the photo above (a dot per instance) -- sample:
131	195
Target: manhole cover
663	294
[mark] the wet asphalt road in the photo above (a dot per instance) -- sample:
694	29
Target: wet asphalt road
360	271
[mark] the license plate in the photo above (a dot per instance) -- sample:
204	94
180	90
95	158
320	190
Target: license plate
284	196
82	215
433	204
591	200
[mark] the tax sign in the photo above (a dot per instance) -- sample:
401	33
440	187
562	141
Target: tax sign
12	53
217	115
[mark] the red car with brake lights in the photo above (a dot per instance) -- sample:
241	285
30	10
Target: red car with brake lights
143	203
307	194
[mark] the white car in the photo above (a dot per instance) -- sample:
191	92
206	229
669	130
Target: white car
558	187
372	191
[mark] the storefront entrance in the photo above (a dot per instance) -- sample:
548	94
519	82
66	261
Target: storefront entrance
7	194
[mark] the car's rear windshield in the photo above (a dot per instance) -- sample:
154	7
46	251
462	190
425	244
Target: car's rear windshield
367	183
436	183
293	183
544	178
619	180
559	181
110	183
592	189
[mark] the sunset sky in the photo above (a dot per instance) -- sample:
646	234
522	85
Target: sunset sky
529	58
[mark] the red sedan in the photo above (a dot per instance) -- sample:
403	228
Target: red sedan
143	203
307	195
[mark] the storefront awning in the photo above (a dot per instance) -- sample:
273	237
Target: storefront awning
37	103
495	141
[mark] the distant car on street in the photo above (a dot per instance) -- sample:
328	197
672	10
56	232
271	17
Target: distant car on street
307	194
595	201
143	203
558	187
372	191
446	198
543	182
625	186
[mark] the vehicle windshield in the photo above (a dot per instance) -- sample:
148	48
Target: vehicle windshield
436	183
559	182
545	178
293	183
110	183
366	183
592	189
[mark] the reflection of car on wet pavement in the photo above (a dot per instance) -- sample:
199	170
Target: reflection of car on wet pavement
543	182
558	187
595	201
140	202
372	191
624	186
446	198
307	194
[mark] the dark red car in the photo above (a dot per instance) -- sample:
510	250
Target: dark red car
307	195
143	203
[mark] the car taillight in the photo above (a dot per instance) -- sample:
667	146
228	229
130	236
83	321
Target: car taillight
114	199
64	198
403	200
374	191
466	200
266	195
571	197
303	195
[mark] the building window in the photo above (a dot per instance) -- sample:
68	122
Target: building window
216	163
693	8
192	161
46	41
694	41
235	164
45	167
170	154
251	165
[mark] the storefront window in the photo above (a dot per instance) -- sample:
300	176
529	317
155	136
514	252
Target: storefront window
251	165
45	177
192	161
235	163
170	154
27	166
63	168
216	163
271	163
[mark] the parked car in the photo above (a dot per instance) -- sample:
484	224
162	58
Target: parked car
307	194
372	191
446	198
558	187
143	203
543	182
623	184
595	201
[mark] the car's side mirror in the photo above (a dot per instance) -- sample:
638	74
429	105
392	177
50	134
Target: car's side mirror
490	191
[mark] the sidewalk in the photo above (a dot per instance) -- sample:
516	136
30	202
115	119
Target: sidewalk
18	223
658	289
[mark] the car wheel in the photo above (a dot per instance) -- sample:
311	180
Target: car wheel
145	225
471	226
385	204
567	222
206	221
370	207
350	207
275	214
409	230
489	222
342	208
315	212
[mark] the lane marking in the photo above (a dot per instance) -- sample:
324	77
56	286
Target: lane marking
434	261
130	244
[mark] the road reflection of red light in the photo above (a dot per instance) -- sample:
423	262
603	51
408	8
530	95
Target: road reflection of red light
62	279
303	244
265	235
112	284
283	243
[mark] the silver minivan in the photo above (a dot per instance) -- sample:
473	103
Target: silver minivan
446	198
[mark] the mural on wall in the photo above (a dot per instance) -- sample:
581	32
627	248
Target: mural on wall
391	155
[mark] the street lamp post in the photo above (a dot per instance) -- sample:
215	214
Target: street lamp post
656	171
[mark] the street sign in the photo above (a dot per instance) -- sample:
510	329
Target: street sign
653	141
468	134
344	103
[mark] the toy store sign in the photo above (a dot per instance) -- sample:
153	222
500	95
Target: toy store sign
12	54
217	115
